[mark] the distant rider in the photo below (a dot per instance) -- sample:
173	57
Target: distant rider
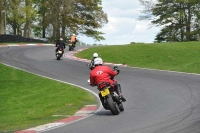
103	74
95	55
60	44
73	40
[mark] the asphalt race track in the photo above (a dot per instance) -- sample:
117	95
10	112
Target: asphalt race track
157	101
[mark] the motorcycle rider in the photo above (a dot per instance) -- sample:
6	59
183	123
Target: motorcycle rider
60	44
95	55
102	73
91	65
73	40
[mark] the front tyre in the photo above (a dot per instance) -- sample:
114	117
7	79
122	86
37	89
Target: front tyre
121	107
113	107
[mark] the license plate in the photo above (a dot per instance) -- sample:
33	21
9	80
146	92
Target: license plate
105	92
70	44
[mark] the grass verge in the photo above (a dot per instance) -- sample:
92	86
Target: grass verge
28	100
181	56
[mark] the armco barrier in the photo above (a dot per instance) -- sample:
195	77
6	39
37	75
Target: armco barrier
18	38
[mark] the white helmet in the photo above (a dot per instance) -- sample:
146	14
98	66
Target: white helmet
73	34
95	55
98	61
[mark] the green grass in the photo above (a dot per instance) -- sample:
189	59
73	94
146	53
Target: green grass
181	56
28	100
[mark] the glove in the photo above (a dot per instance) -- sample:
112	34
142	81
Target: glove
118	71
115	68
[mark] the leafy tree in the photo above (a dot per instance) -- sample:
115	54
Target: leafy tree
3	15
179	18
55	18
1	18
16	16
28	10
88	17
71	16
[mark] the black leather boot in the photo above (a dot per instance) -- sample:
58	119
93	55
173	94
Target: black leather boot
119	91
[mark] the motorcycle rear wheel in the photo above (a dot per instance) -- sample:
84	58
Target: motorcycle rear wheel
58	57
71	48
113	107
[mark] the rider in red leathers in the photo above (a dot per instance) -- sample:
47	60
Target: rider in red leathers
103	74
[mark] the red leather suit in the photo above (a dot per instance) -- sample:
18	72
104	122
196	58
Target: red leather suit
102	74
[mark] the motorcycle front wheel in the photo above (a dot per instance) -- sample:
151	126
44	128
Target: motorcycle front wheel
121	107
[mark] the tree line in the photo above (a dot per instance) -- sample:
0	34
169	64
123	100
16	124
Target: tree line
52	19
179	19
